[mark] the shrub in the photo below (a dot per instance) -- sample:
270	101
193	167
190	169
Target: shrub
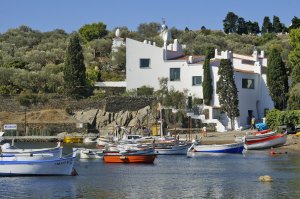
277	118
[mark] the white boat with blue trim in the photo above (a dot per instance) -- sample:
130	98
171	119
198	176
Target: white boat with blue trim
61	166
217	148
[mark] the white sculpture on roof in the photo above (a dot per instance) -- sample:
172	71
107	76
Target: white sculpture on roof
165	34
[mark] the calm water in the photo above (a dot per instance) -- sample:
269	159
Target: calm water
226	176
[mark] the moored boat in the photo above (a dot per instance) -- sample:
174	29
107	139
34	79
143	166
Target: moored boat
133	155
266	142
61	166
177	149
218	148
9	152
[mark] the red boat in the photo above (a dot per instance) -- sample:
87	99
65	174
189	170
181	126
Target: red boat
130	156
266	142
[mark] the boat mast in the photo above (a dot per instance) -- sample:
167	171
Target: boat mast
161	120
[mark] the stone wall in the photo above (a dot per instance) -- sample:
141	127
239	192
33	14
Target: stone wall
116	104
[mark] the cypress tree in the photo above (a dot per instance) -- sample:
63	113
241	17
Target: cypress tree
207	81
267	26
74	70
227	91
277	79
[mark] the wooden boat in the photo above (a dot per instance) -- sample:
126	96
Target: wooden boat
177	149
73	139
218	148
256	135
61	166
264	143
130	156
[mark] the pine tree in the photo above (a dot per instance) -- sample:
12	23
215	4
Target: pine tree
277	79
227	91
230	23
74	70
207	82
267	26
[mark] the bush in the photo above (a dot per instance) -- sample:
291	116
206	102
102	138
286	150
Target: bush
277	118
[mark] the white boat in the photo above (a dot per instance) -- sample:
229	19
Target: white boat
30	154
177	149
61	166
217	148
91	153
268	142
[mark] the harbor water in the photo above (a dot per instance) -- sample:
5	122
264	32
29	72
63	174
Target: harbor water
209	176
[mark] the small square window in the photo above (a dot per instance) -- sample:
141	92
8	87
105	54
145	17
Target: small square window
197	80
248	83
144	63
174	74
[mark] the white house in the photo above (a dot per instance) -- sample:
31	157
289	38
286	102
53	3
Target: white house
146	63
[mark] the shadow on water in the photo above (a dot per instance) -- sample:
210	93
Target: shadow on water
211	176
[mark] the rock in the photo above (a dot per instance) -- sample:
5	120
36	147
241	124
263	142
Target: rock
86	116
265	178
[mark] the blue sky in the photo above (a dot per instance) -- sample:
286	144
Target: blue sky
70	15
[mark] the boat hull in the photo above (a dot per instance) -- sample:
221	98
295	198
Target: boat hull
218	148
272	141
62	166
129	158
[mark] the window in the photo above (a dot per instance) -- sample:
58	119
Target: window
197	80
248	83
174	74
144	63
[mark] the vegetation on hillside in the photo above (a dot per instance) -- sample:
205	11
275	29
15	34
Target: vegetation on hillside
33	62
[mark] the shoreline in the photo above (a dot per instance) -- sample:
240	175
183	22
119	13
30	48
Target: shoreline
292	145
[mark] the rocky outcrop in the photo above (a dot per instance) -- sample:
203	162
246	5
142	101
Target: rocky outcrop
101	120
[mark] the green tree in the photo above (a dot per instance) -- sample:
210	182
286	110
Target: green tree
267	26
294	56
277	79
227	91
294	97
294	59
295	23
277	25
241	26
74	71
93	31
207	81
148	30
252	27
230	23
119	59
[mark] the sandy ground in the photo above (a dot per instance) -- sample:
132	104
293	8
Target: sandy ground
291	146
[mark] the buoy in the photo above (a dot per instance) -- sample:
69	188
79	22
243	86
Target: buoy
265	178
273	152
